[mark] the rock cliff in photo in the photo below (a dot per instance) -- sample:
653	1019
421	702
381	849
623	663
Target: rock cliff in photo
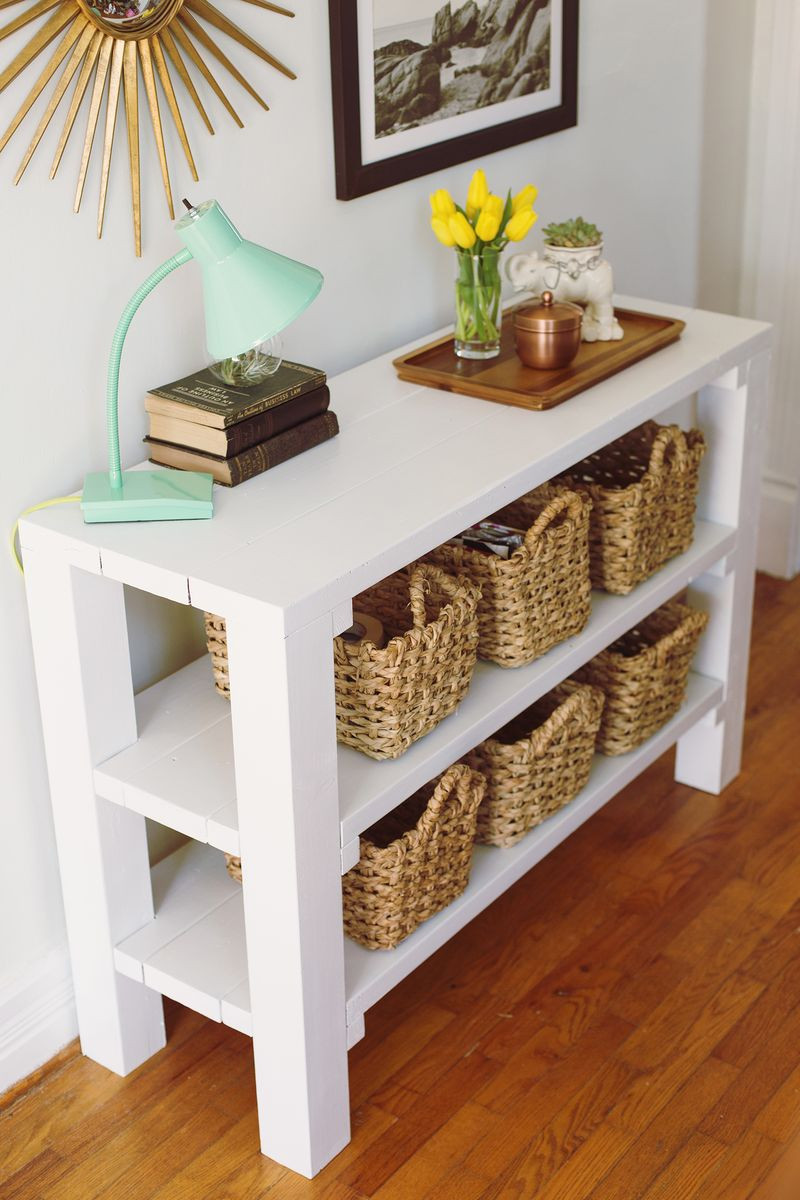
407	85
476	57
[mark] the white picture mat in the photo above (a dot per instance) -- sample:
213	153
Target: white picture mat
374	149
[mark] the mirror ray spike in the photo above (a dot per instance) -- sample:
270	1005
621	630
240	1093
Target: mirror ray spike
110	50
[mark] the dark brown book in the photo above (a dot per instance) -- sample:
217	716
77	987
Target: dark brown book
226	443
203	399
272	452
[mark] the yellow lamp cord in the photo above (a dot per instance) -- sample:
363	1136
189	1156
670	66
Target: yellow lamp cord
33	508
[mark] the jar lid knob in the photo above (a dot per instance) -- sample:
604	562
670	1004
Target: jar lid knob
547	299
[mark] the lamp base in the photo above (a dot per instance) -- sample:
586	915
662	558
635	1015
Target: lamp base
148	496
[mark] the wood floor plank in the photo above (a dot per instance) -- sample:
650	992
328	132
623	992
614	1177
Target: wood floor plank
36	1177
756	1084
657	1039
648	1095
403	1139
144	1088
461	1184
208	1171
744	1165
529	1102
457	1039
623	1023
780	944
177	1150
69	1105
779	1119
716	921
566	1132
780	1183
653	1150
566	1001
155	1131
378	1062
587	1167
638	994
440	1154
753	1033
688	1171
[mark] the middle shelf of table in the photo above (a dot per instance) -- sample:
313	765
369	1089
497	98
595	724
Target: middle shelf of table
181	770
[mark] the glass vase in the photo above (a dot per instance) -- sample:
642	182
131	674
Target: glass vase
478	307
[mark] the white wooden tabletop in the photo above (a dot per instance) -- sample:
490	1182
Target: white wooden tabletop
411	467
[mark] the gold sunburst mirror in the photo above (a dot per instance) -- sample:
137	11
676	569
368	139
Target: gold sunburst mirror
108	44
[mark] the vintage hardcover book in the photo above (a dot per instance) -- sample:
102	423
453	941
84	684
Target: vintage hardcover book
230	471
225	443
203	399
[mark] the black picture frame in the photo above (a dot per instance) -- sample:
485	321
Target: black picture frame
355	178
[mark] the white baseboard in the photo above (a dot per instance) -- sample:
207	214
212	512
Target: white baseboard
37	1016
779	529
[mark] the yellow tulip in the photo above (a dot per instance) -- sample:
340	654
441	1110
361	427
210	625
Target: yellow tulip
520	224
488	222
442	230
524	199
476	193
462	231
442	204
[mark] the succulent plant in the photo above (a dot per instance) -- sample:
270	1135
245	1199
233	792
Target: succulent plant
573	234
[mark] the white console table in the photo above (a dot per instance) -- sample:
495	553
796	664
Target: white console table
263	777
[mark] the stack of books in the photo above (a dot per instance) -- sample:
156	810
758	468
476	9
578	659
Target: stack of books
234	433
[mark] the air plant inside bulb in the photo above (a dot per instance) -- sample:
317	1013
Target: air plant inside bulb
251	367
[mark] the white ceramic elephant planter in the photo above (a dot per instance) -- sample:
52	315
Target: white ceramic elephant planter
582	276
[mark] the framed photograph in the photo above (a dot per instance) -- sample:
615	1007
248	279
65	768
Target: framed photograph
419	85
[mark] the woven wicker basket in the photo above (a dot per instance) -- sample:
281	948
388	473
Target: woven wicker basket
643	489
414	862
643	676
540	595
537	763
387	698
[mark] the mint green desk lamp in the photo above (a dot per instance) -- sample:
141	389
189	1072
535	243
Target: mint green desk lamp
250	294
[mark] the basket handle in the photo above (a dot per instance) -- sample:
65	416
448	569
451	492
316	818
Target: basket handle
669	446
692	625
419	584
453	788
568	503
578	699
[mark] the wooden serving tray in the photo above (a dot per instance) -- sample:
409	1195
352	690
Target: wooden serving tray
506	379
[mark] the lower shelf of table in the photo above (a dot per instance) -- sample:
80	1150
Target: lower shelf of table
194	949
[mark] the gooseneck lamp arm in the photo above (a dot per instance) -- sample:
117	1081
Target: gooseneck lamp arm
249	294
115	359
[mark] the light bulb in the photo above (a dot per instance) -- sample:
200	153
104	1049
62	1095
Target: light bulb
252	366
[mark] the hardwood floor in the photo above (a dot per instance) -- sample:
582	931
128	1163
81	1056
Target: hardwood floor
624	1024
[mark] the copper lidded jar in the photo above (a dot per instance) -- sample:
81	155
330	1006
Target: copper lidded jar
548	334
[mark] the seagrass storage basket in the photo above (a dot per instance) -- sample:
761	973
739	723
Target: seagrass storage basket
644	675
387	697
540	595
414	861
537	763
643	489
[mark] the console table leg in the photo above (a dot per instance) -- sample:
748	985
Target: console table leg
284	736
80	646
732	412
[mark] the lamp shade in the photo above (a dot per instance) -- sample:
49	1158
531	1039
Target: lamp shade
249	292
